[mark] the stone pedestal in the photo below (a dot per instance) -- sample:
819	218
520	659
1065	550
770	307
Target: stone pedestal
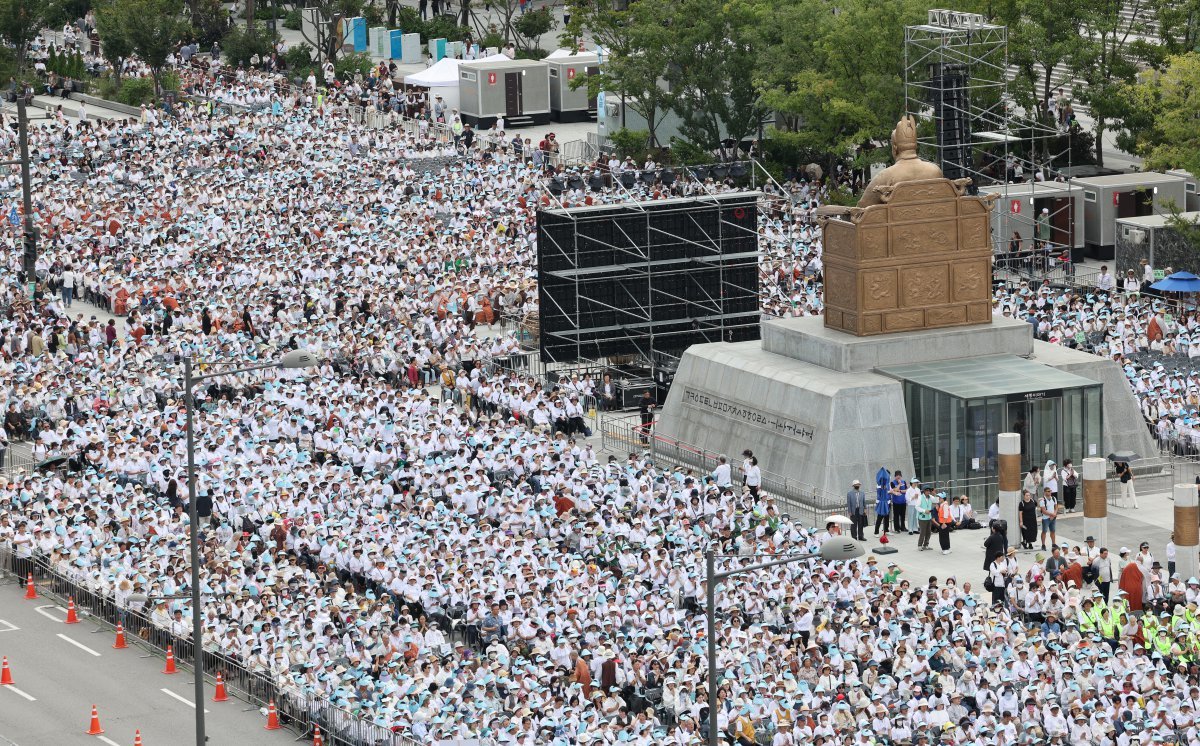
817	426
808	340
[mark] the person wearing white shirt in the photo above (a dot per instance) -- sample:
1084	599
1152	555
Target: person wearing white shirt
1105	282
723	475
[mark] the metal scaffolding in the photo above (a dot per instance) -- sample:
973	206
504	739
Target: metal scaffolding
644	278
956	84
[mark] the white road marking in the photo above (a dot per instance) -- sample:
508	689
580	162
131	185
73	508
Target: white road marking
9	626
170	693
79	645
106	739
42	610
14	690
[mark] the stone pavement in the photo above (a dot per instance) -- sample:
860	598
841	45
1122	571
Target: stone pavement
1151	522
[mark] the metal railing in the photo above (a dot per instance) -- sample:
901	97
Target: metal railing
297	710
16	463
1074	276
625	434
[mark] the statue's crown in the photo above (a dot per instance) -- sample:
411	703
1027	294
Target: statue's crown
904	137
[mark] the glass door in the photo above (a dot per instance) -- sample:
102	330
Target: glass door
1044	430
1037	421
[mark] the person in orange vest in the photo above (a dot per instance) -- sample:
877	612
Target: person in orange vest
944	522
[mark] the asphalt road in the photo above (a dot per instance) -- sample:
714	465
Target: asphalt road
60	671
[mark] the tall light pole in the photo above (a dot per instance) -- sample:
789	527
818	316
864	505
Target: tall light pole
28	232
832	550
291	360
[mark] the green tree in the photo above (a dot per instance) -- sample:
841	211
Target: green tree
637	44
1106	59
243	42
325	37
1178	25
116	47
20	23
830	81
1169	104
713	63
152	29
607	24
1042	35
530	27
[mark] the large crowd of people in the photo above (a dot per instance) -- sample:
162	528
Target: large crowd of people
414	532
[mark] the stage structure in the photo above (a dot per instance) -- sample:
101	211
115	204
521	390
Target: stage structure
646	278
956	74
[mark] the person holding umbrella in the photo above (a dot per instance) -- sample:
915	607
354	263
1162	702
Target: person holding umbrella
1125	476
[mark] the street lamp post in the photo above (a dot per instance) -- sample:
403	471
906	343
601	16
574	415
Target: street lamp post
832	550
291	360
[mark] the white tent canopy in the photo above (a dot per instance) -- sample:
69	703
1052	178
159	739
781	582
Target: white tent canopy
443	73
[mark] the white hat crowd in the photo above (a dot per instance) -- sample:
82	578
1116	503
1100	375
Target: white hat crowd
1155	339
360	512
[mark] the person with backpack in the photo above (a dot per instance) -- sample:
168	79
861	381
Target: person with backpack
944	522
1048	509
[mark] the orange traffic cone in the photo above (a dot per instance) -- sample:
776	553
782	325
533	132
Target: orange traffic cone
220	695
137	738
71	616
30	589
95	729
317	740
170	661
272	717
120	643
5	674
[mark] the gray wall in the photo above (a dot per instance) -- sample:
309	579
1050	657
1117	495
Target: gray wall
858	420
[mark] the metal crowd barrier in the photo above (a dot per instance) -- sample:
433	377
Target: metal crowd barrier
296	710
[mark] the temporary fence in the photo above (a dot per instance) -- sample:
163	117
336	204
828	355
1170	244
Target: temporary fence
297	709
12	462
623	433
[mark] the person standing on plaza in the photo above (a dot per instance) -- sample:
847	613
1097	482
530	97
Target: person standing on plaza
1027	515
1048	509
924	508
1068	485
911	498
1103	572
1125	476
646	411
67	285
897	488
753	477
1033	481
856	510
944	521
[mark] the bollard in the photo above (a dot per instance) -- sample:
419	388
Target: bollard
1008	448
1095	500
